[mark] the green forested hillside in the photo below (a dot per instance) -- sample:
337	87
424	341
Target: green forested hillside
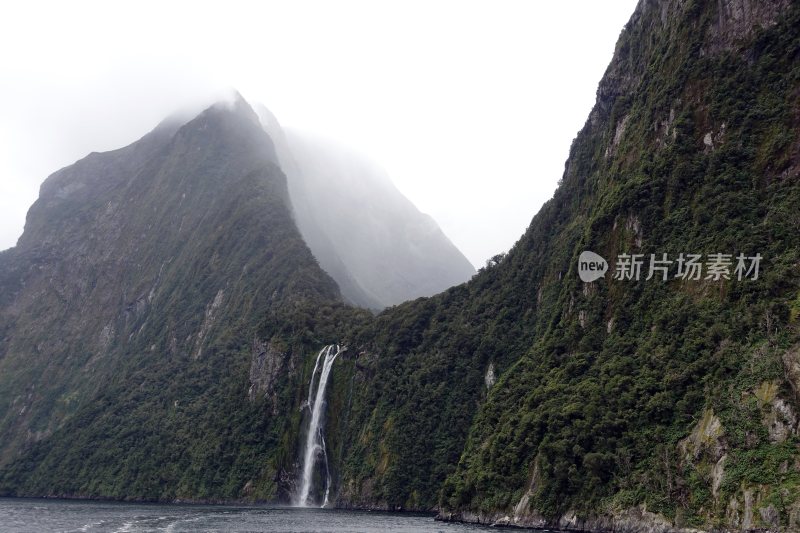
607	390
524	396
158	304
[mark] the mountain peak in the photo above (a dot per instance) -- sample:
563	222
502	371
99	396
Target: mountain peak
236	103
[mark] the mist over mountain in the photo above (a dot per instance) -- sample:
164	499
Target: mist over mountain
169	331
371	239
148	274
148	259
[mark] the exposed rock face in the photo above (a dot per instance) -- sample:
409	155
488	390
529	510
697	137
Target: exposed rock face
780	417
705	437
265	369
717	476
523	514
490	378
791	364
635	520
737	20
208	321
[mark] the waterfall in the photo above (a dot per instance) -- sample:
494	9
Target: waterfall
315	441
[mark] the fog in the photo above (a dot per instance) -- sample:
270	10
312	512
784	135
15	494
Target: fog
469	106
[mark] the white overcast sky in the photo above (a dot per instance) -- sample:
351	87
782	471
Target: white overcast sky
471	106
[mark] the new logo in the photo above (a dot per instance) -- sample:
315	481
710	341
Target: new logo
591	266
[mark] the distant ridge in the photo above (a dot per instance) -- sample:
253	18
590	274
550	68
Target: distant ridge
371	239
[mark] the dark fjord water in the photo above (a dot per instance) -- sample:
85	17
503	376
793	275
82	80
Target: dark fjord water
41	516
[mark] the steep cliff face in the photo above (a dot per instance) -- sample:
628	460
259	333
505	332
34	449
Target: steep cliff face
155	287
372	240
160	325
640	405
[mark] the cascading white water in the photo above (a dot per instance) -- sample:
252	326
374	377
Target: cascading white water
315	442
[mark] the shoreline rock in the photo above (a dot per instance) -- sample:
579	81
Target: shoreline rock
635	520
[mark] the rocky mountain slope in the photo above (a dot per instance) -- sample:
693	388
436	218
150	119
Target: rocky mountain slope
160	283
523	397
145	297
648	405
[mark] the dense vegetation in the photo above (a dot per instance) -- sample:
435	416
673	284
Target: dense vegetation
156	301
602	384
524	393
